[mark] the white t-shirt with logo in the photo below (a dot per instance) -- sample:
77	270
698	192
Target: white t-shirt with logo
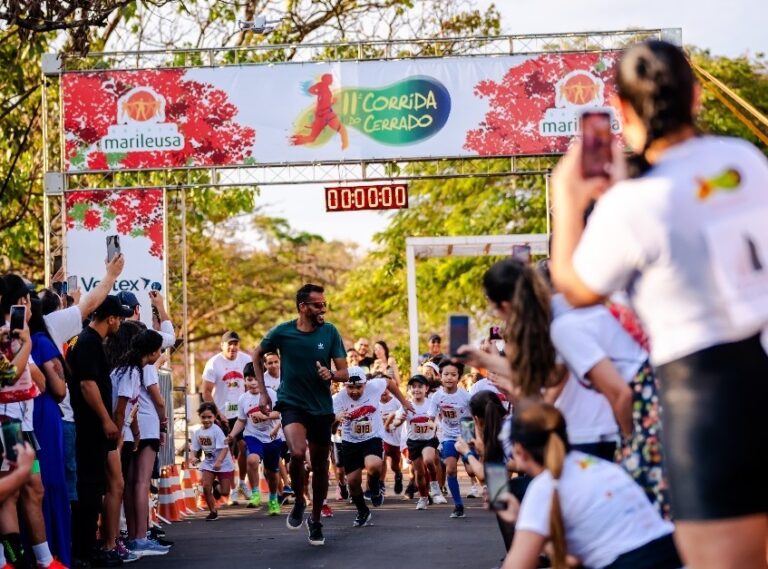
395	436
228	380
271	382
586	336
211	441
417	424
248	405
605	512
689	243
588	415
448	409
126	382
365	422
149	420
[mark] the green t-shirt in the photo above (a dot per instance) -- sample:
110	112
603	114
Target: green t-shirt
300	384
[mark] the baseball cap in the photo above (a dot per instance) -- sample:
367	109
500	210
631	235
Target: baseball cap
128	298
356	375
112	307
418	378
230	336
435	338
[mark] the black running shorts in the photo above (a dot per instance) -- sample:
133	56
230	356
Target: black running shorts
714	432
353	454
416	447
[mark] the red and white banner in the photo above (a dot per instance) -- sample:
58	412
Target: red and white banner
327	112
137	217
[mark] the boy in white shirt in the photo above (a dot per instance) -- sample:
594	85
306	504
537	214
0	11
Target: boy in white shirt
262	439
448	405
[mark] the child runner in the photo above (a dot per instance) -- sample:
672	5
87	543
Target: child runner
262	440
449	404
422	442
391	438
211	442
357	409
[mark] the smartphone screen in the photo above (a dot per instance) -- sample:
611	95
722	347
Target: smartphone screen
495	333
113	246
71	283
467	425
522	253
458	332
58	287
11	437
56	263
18	316
596	154
156	286
497	481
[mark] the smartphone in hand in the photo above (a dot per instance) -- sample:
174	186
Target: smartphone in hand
113	247
497	481
12	436
458	333
596	152
467	426
71	283
18	317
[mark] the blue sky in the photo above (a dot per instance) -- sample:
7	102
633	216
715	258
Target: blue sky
728	28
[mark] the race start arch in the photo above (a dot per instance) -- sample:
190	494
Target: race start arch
133	127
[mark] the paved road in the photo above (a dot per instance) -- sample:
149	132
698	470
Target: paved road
400	538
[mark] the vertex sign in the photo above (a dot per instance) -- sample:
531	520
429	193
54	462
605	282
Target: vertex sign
141	125
131	285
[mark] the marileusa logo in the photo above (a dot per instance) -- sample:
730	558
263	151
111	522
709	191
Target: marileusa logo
578	91
141	125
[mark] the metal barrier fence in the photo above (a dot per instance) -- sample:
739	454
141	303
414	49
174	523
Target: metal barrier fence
167	451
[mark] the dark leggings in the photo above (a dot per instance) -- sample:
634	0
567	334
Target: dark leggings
657	554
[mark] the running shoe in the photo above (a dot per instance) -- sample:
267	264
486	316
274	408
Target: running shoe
233	497
216	489
363	519
102	558
444	490
367	495
474	492
161	542
287	491
273	508
296	517
255	500
157	531
146	548
55	564
244	490
212	517
344	491
439	499
315	532
377	499
398	483
326	512
458	512
410	490
125	554
422	503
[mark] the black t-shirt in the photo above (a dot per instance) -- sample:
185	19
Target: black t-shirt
87	360
367	361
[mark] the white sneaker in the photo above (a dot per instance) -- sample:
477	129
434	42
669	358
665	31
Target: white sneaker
474	492
434	489
246	492
439	499
233	496
422	503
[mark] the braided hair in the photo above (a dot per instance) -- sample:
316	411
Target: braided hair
657	81
529	347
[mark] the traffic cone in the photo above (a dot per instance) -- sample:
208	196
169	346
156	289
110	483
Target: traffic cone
197	484
178	493
187	486
263	488
167	508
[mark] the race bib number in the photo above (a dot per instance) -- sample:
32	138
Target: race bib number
450	414
421	429
206	441
232	407
738	247
362	428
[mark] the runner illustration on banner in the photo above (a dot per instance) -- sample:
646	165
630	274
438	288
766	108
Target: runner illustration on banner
324	114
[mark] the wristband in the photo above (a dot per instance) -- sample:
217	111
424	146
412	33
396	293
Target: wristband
465	457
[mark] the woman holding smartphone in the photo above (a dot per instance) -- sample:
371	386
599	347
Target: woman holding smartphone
689	241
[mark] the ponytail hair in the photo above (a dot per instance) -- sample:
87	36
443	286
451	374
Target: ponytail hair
540	429
529	347
657	81
486	405
142	343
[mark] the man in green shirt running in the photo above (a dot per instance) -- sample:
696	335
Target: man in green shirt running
307	346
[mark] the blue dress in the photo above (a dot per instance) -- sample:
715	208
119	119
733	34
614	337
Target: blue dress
50	434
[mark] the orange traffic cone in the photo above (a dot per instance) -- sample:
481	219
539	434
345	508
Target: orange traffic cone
263	487
167	508
178	493
187	486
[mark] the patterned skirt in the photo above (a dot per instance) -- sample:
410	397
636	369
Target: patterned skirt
641	454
